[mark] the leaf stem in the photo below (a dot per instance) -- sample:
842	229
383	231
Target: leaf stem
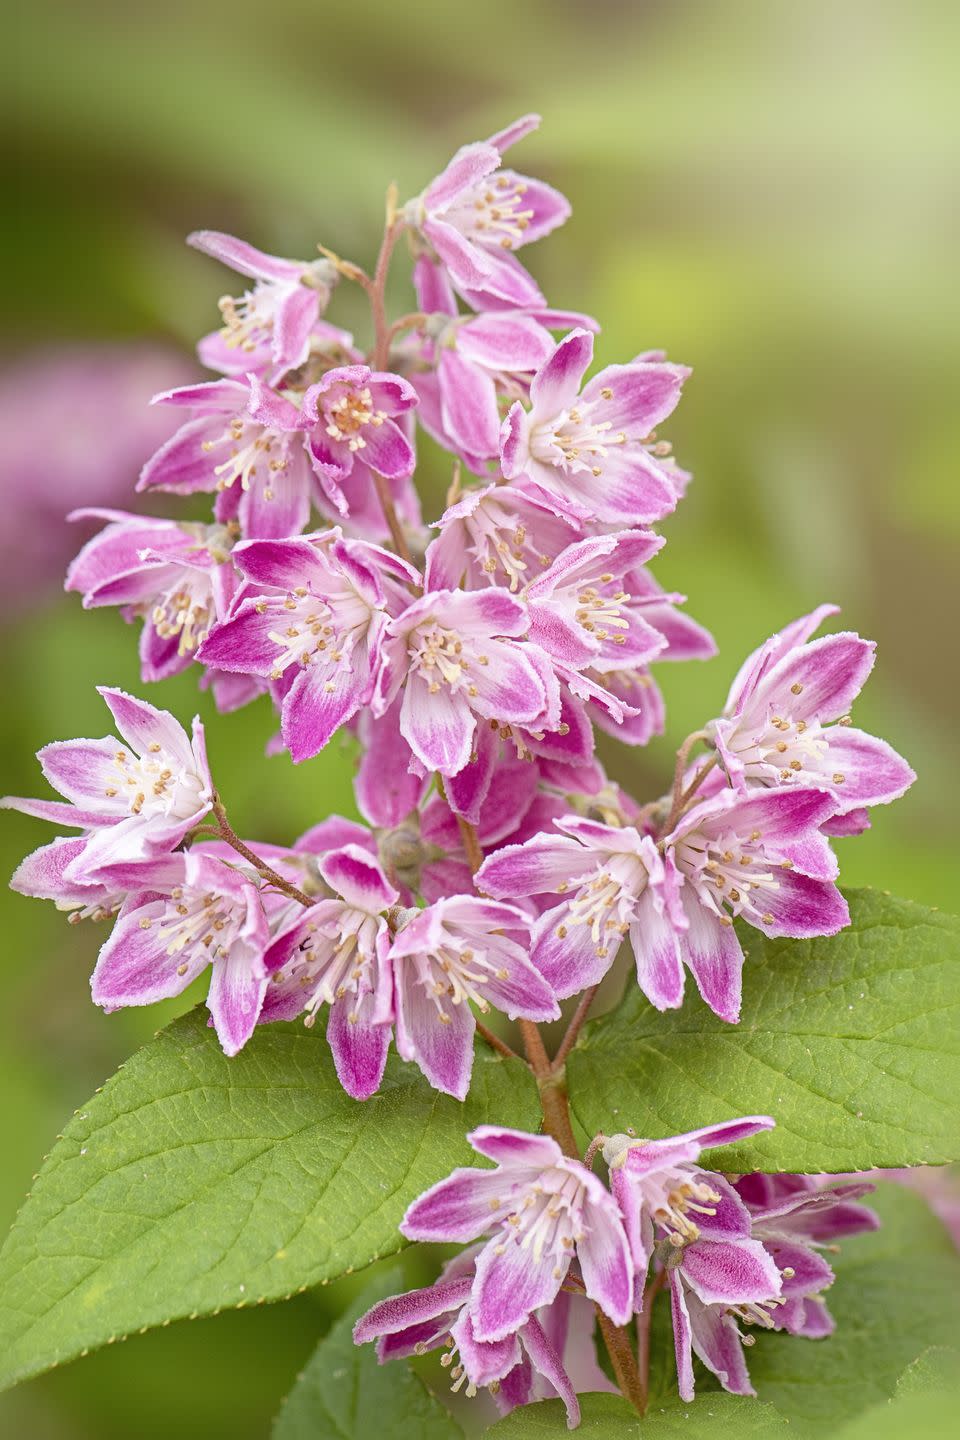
267	871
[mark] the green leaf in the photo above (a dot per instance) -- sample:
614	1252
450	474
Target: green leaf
897	1293
345	1394
193	1182
924	1403
849	1042
609	1416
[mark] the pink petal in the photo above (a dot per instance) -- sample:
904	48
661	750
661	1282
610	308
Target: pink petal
438	728
470	165
438	1036
605	1259
535	868
469	400
243	257
510	1286
713	953
238	984
355	874
514	1147
722	1272
359	1046
557	384
457	1209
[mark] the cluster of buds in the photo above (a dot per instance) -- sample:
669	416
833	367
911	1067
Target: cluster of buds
473	660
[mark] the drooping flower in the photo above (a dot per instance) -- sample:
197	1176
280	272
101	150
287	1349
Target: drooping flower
475	214
457	658
460	950
176	577
182	913
599	874
663	1191
797	1217
723	1275
759	857
592	454
441	1316
334	954
316	623
134	798
273	321
541	1210
786	720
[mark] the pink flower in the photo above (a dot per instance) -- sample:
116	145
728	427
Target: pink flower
176	577
134	799
761	858
352	408
475	214
334	954
457	657
459	951
475	361
602	872
592	454
786	720
796	1217
495	536
441	1314
662	1190
183	913
251	445
317	624
541	1210
582	612
272	323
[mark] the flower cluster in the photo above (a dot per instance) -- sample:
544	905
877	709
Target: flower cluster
473	660
734	1251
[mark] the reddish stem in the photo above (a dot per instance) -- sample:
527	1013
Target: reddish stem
267	871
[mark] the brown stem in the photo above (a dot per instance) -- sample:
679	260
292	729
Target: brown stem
406	322
643	1333
576	1023
494	1041
267	871
377	293
620	1351
676	795
471	844
697	781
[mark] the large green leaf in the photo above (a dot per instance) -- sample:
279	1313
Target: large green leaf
343	1393
610	1417
192	1182
851	1043
897	1294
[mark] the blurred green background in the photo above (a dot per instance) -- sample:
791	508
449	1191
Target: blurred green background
767	190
